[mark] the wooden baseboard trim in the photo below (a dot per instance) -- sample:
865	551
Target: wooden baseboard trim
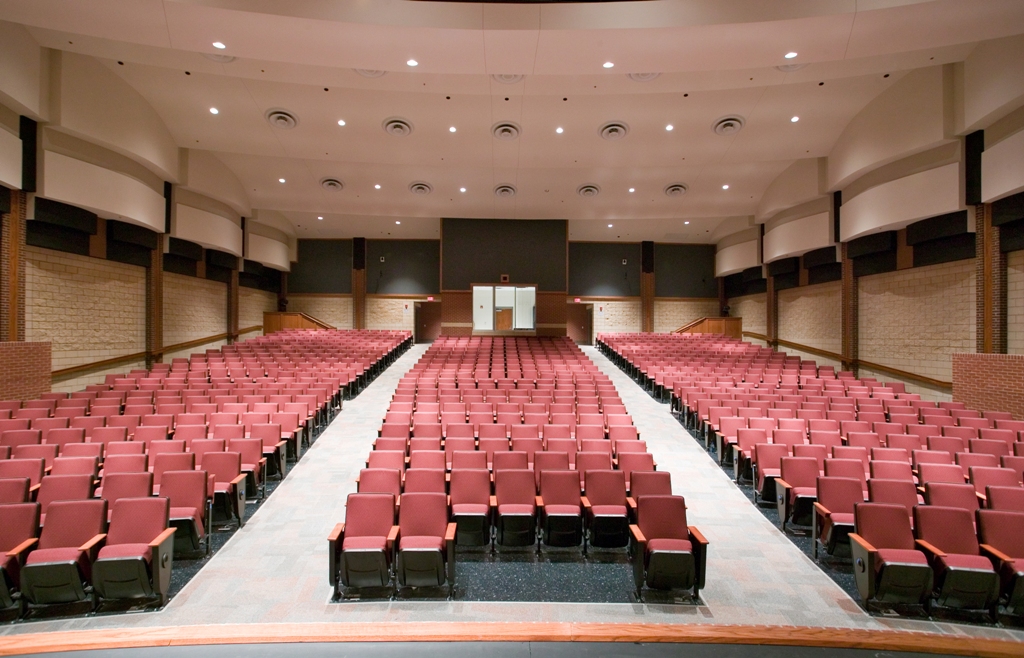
139	637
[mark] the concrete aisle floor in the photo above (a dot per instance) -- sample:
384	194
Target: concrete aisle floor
275	569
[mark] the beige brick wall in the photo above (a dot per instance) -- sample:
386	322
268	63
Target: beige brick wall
336	311
252	304
670	314
193	308
88	309
915	319
612	317
752	309
1015	302
812	316
391	313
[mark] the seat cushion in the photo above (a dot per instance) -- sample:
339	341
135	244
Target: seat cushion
364	543
608	510
126	551
421	542
677	545
470	509
841	518
515	509
9	565
888	556
562	510
961	561
188	513
802	492
222	487
48	555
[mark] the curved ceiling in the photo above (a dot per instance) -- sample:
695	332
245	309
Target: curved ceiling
541	66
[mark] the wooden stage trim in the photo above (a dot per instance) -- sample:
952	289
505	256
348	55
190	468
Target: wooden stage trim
103	639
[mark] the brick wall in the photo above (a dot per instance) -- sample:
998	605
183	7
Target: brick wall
812	316
611	317
26	370
1015	302
752	309
88	309
12	239
915	319
252	304
990	382
193	308
551	314
457	313
335	310
390	313
670	314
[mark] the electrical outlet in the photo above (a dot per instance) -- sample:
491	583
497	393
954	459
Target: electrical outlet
623	261
382	259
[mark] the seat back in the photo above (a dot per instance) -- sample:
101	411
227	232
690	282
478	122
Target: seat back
390	443
985	476
470	486
516	486
884	526
63	487
13	491
18	522
945	494
1009	499
387	459
950	529
381	480
635	461
428	480
185	489
423	514
125	464
71	523
662	517
15	438
250	449
607	487
223	466
1002	530
129	485
108	434
23	468
650	483
506	460
369	514
940	473
149	434
138	520
63	436
468	459
427	459
802	471
893	492
178	461
839	494
892	470
560	487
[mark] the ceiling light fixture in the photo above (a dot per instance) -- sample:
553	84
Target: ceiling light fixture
669	127
320	218
397	222
686	222
341	122
725	187
280	180
413	62
559	130
631	190
462	189
608	65
452	129
790	55
376	187
795	119
609	226
218	45
214	110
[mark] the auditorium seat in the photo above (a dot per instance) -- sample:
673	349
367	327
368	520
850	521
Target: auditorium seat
360	549
470	497
1002	540
426	542
226	471
887	565
605	509
59	569
964	578
796	489
135	562
560	509
515	506
54	488
833	512
666	553
945	494
19	527
1008	499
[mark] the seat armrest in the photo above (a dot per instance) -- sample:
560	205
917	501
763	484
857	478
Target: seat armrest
821	509
89	545
539	501
928	548
19	551
161	538
333	544
337	533
494	501
982	499
33	489
695	535
779	482
280	444
238	480
449	533
392	537
854	537
638	536
992	551
585	502
631	503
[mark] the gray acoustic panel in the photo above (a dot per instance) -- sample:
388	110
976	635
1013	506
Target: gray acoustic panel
684	270
410	267
596	269
481	250
324	266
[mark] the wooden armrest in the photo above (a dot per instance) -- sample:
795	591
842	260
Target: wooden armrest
821	509
631	503
637	535
494	501
34	488
584	502
449	533
393	533
539	501
928	548
696	535
982	499
92	542
337	533
996	553
21	548
280	444
161	538
263	462
779	482
854	537
238	480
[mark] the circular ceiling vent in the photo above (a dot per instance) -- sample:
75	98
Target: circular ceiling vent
643	77
332	184
505	191
507	78
789	68
397	127
370	73
676	189
729	125
614	130
420	187
281	118
506	131
588	191
220	59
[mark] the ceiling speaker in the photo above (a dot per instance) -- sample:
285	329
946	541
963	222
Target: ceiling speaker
397	127
420	187
588	191
729	125
614	130
281	118
332	184
506	131
676	189
505	191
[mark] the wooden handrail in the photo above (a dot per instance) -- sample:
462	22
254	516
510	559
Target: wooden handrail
105	363
713	325
275	321
317	321
810	350
688	326
928	381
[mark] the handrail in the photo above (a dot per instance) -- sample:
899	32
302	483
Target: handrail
105	363
318	322
691	325
277	316
934	383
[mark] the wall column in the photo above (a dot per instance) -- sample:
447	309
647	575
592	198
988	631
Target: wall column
722	300
771	313
990	271
282	295
359	283
233	307
647	286
12	270
850	314
155	304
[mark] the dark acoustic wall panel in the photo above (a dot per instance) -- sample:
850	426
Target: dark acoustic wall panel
784	266
180	264
5	200
875	263
481	250
596	269
184	249
1011	236
872	244
410	267
28	131
61	214
744	283
646	257
823	256
1008	210
824	273
684	270
324	266
935	228
787	281
221	259
945	250
974	144
56	237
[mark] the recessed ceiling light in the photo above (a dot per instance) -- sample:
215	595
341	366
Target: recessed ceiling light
214	110
376	187
725	187
795	119
609	226
608	65
341	122
413	62
686	222
462	189
320	218
669	127
790	55
452	129
558	130
631	190
218	45
397	222
280	180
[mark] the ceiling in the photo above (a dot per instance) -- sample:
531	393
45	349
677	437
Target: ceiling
715	58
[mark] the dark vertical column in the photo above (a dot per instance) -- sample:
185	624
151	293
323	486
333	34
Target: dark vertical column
851	314
771	314
990	282
904	251
155	303
233	307
722	300
358	283
12	270
647	286
282	294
